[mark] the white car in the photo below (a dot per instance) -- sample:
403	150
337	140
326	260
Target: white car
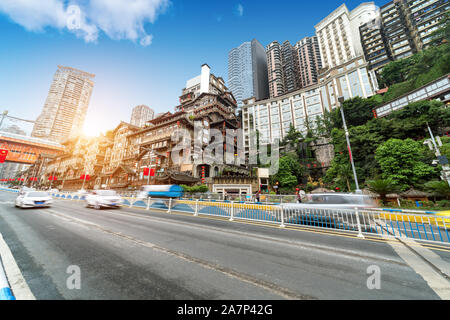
33	199
103	199
333	201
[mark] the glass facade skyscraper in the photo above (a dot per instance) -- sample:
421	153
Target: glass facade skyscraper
247	72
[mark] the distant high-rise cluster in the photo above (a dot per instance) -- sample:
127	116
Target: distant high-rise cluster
402	28
342	59
67	102
397	30
141	115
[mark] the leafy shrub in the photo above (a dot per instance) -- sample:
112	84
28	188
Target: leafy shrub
409	204
443	204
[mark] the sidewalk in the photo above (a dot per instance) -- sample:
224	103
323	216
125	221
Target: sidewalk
5	290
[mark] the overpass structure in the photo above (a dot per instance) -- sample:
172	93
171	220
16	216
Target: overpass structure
27	150
438	89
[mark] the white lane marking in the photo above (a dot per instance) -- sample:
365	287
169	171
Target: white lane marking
435	281
18	284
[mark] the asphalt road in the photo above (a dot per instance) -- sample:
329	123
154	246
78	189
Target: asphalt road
138	254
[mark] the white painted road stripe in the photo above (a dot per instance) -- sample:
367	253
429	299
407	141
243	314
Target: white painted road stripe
18	284
434	279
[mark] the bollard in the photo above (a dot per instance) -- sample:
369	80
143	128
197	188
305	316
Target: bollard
148	203
170	205
282	225
196	208
232	211
360	235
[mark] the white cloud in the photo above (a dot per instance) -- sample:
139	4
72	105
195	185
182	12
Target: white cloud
118	19
240	10
146	41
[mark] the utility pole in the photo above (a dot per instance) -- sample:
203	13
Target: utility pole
341	104
442	159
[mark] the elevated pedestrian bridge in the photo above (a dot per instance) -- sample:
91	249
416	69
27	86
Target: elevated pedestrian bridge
26	150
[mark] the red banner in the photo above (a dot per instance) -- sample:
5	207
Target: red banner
146	172
85	177
3	155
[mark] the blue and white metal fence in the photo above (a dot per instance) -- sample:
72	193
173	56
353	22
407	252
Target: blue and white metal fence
388	223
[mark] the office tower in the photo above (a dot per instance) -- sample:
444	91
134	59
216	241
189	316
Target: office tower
310	61
338	33
66	105
247	71
275	69
141	115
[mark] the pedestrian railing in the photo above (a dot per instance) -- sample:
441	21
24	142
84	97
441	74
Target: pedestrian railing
386	223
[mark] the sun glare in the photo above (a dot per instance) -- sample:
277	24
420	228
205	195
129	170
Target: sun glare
92	129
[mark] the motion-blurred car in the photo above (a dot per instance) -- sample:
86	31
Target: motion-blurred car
33	199
103	199
160	191
334	201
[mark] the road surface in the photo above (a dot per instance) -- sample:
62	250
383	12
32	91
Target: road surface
138	254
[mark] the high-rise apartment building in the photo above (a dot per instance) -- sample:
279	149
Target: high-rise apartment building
374	44
309	59
424	17
247	72
275	69
290	63
66	105
283	68
397	30
141	115
338	33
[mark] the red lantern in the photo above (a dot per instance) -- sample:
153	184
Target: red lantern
152	172
146	172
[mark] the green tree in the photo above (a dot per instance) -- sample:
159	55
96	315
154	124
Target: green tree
289	173
438	188
405	162
443	31
383	187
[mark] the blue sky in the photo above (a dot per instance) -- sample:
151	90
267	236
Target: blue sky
183	35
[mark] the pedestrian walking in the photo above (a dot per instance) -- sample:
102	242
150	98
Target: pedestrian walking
257	195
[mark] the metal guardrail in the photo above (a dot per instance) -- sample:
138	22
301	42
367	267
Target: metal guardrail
386	223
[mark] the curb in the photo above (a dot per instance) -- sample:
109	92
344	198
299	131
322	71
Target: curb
5	290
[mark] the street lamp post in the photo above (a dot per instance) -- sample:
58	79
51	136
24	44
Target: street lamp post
445	167
341	104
